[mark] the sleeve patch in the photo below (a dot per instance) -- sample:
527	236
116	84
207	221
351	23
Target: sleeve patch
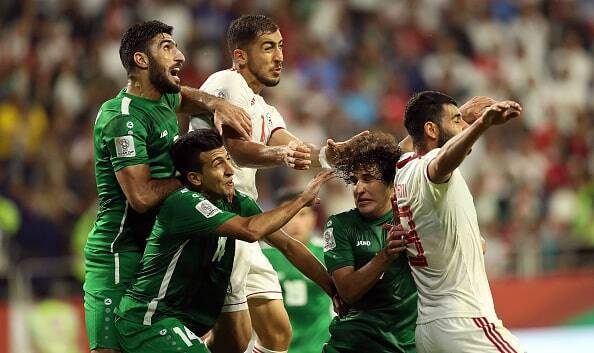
222	93
329	242
125	146
207	209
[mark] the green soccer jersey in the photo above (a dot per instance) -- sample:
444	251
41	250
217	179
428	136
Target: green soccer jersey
185	267
308	306
129	130
383	320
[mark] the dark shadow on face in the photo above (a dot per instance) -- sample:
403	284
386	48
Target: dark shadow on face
159	77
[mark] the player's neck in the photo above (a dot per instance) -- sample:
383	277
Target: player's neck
142	88
251	80
378	213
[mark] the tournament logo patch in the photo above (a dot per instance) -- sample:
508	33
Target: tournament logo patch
207	209
329	242
125	146
222	93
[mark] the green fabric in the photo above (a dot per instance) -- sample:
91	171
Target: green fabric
186	266
129	131
383	320
166	336
308	306
10	217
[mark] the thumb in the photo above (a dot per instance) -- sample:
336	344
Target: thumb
331	143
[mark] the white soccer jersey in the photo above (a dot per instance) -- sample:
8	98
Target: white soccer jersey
230	85
444	243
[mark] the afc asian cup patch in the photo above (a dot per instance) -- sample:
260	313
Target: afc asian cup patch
329	242
125	146
207	209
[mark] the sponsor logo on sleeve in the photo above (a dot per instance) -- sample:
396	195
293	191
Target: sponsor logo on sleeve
329	242
125	146
207	209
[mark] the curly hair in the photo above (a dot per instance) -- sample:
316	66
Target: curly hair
137	39
375	153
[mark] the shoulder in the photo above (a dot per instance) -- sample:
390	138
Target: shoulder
223	81
342	219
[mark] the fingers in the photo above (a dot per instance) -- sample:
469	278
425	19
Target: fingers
325	175
299	155
297	163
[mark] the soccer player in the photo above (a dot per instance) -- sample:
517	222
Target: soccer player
364	263
134	173
456	311
309	308
256	44
184	274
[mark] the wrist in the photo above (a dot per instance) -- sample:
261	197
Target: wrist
214	104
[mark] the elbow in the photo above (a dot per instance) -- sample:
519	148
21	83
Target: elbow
347	295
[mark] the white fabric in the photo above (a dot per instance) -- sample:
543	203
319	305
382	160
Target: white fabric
454	282
230	85
465	335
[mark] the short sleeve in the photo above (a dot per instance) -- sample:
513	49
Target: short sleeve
435	190
190	212
275	121
228	85
125	138
338	251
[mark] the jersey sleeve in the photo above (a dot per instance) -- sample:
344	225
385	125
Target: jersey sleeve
191	212
275	121
436	191
125	138
338	252
229	86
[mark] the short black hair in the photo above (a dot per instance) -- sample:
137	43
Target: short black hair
137	39
375	153
244	30
423	107
185	152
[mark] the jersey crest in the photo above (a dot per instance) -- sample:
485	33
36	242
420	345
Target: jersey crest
329	242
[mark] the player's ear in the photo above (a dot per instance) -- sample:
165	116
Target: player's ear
195	178
239	56
141	60
431	130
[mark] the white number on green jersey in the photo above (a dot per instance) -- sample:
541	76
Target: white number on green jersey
218	255
187	337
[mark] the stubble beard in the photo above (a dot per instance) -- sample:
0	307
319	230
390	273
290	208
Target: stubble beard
158	78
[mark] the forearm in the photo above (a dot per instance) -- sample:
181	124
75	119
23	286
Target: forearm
153	193
194	101
249	154
354	285
455	150
269	222
300	256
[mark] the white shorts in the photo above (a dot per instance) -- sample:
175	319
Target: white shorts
465	335
252	277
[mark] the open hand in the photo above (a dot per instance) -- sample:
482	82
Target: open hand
501	112
475	107
236	118
310	194
333	148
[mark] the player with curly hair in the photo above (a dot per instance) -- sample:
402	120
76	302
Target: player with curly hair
363	260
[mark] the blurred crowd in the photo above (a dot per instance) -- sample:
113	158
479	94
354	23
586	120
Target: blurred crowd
349	65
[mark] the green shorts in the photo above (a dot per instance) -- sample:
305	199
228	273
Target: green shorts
107	277
167	335
373	331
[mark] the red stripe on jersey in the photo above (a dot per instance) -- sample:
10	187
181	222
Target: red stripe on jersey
480	324
500	337
256	350
403	162
276	128
262	136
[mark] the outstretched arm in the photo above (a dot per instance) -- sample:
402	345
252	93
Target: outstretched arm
300	256
194	101
457	148
253	228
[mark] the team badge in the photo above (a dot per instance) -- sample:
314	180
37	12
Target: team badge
130	124
125	146
222	93
329	242
207	209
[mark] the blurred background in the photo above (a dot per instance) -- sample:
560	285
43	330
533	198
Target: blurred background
349	65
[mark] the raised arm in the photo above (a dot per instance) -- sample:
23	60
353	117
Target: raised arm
247	153
142	192
300	256
457	148
353	284
253	228
194	101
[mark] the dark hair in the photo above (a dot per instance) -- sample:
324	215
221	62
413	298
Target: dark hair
137	39
185	152
376	153
245	29
421	108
